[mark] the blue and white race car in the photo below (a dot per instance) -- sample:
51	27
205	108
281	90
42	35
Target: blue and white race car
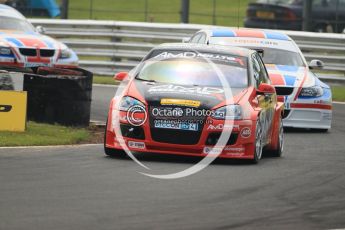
308	101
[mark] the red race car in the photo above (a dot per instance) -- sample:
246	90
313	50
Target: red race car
177	102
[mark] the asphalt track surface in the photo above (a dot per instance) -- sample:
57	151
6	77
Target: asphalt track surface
79	188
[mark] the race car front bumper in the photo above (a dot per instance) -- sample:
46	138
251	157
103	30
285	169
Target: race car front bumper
240	144
308	118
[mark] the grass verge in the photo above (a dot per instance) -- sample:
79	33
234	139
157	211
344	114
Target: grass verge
43	134
106	80
338	93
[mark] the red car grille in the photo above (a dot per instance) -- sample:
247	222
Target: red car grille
175	136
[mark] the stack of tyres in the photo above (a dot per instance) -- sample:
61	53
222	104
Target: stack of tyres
5	81
62	99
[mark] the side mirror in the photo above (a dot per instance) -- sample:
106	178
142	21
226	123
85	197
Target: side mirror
265	88
261	52
40	29
120	76
316	64
185	40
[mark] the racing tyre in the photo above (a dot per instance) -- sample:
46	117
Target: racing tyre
114	152
322	130
109	151
279	151
258	143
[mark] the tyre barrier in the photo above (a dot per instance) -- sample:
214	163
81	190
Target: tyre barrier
60	96
6	82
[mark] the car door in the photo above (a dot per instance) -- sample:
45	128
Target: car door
266	101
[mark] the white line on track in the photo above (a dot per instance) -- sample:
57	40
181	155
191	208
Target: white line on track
51	146
339	102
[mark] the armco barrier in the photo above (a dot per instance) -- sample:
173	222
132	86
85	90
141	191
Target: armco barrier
5	81
107	47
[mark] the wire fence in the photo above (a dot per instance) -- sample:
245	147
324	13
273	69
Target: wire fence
326	15
213	12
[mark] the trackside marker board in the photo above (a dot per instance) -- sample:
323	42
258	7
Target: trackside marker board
13	111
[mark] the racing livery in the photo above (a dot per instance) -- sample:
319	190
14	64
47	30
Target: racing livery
174	102
22	46
308	101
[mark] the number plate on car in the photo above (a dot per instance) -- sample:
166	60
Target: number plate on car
265	14
30	64
166	124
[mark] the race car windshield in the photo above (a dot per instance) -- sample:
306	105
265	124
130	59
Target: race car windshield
7	23
187	71
282	57
285	53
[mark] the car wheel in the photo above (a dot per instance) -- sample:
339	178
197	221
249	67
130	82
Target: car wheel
321	130
258	143
109	151
114	152
279	151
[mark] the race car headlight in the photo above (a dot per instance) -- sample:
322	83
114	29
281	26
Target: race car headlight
315	91
65	53
229	112
129	102
5	51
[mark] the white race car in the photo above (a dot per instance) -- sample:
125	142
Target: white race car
308	101
21	45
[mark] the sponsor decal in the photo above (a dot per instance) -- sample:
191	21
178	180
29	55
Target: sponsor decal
29	65
136	145
326	116
221	127
5	108
227	150
246	132
185	90
218	57
235	150
180	102
212	150
6	59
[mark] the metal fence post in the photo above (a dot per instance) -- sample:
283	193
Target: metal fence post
64	9
185	11
307	7
214	20
146	10
91	6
